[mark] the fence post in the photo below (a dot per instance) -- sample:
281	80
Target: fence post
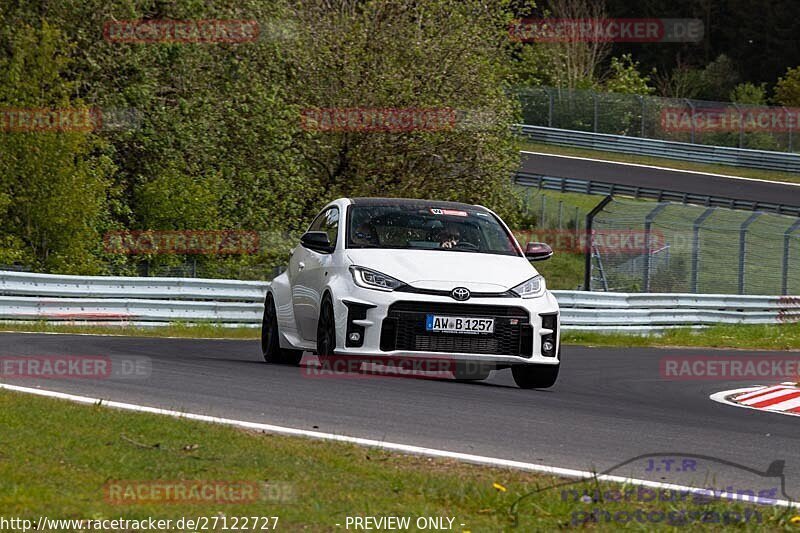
648	223
691	116
560	213
544	202
741	124
785	270
696	245
587	271
550	109
594	100
743	246
644	106
789	125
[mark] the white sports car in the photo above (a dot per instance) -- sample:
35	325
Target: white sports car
398	278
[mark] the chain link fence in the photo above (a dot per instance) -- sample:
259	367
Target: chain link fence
665	247
772	128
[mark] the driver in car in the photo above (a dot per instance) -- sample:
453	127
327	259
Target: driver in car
449	237
365	235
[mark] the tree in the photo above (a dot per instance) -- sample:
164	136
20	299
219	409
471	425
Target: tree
54	185
749	93
787	90
624	77
406	54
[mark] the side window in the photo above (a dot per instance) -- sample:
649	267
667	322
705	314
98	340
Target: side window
327	221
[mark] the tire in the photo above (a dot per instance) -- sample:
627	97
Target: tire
470	371
270	343
535	376
326	329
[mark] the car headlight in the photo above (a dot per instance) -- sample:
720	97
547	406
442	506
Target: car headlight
531	288
372	279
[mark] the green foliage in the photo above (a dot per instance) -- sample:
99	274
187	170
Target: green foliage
436	54
749	93
217	142
718	79
787	90
624	77
54	186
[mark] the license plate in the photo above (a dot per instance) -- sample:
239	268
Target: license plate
459	324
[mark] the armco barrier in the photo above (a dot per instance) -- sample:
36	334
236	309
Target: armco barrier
701	153
160	301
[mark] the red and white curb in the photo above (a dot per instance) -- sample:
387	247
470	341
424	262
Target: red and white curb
782	399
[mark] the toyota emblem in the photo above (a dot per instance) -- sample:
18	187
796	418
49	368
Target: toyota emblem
460	294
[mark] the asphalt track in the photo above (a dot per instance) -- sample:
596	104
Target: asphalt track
669	180
609	405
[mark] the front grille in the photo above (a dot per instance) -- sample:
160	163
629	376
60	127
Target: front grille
404	329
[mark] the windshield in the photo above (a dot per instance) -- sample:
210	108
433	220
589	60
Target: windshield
427	227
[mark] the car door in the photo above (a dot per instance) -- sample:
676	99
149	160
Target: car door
308	281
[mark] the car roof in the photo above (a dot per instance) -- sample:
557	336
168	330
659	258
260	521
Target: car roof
414	202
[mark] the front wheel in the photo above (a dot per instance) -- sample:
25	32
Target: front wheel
270	344
326	329
535	376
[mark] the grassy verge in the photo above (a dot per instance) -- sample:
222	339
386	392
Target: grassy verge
66	461
563	271
729	170
175	329
754	337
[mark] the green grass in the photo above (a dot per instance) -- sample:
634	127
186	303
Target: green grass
56	458
729	170
175	329
563	271
755	337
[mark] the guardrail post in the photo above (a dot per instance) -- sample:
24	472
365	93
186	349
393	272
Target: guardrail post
696	245
648	224
587	272
743	246
785	270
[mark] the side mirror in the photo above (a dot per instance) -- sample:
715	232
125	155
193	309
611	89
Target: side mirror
317	241
538	251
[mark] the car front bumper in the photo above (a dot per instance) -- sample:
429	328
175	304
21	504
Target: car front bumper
371	313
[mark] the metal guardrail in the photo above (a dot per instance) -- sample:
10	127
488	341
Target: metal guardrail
700	153
160	301
555	183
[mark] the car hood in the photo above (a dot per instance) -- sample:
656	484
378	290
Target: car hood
445	270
